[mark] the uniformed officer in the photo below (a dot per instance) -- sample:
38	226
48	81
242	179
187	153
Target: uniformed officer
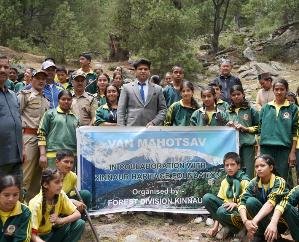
33	105
84	104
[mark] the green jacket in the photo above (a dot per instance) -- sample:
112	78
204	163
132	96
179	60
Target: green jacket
57	130
178	115
198	118
222	105
17	227
101	100
291	199
278	129
20	86
248	117
10	85
171	95
104	114
276	191
91	80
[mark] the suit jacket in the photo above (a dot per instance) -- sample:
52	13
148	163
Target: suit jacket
132	112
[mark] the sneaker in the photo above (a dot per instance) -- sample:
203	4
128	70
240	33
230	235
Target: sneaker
223	233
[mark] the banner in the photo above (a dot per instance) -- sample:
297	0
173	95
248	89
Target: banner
162	169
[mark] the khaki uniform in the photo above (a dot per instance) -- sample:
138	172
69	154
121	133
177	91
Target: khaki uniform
84	107
33	105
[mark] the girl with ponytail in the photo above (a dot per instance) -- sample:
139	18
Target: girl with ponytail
54	216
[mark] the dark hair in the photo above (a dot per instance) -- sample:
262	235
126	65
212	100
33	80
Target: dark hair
61	68
115	74
121	69
15	69
283	82
104	74
244	104
232	155
211	90
48	175
177	66
85	55
9	181
64	153
64	92
118	91
189	85
293	95
215	84
155	79
142	62
269	161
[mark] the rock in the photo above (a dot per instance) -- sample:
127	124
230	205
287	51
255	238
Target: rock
243	68
169	221
131	238
249	54
154	236
251	73
213	69
264	67
209	222
198	220
276	66
110	231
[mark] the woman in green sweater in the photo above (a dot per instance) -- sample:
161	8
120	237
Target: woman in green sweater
57	130
179	113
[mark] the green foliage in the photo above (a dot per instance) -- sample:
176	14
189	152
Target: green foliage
18	44
64	37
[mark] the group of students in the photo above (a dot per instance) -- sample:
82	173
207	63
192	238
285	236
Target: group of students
54	214
276	126
263	208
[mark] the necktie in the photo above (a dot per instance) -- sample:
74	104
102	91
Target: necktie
142	91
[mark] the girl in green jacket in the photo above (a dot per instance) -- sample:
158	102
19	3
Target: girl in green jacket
209	114
15	217
245	119
179	113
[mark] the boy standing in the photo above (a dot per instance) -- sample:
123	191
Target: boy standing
223	207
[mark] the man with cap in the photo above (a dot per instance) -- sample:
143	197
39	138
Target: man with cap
52	88
141	102
226	80
84	104
10	126
33	105
265	94
91	77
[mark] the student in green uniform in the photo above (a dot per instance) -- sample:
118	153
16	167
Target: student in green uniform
102	83
245	119
262	194
54	217
208	115
65	162
221	105
172	92
278	129
106	115
57	130
288	209
223	207
179	113
15	217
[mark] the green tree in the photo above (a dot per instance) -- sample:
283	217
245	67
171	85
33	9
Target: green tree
64	38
